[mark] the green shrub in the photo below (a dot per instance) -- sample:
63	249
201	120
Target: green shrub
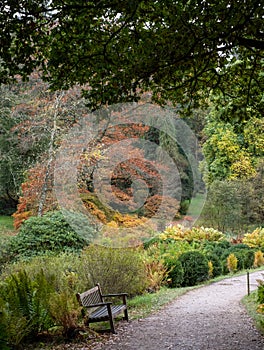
169	252
116	269
195	267
3	327
221	247
49	233
29	305
214	252
65	311
236	247
245	258
217	248
176	273
63	272
260	291
4	254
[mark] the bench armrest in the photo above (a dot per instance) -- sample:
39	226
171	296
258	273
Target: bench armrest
115	295
98	304
122	295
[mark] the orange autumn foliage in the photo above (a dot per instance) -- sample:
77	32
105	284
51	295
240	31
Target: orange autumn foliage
31	193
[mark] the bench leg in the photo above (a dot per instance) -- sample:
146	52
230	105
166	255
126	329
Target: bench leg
112	325
111	320
126	315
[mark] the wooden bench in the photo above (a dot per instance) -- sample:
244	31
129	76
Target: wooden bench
102	310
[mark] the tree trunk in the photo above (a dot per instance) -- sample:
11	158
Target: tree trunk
44	189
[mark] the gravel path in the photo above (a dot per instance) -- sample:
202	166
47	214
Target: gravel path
207	318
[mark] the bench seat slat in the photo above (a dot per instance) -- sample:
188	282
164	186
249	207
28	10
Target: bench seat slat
102	313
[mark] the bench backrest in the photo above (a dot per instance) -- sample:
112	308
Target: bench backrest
91	296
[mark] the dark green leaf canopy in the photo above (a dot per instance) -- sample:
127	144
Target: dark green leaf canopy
176	49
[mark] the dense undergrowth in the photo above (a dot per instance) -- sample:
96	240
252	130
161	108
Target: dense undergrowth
254	303
47	263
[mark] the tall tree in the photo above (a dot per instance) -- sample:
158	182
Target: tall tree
33	122
234	145
22	135
235	206
11	167
177	49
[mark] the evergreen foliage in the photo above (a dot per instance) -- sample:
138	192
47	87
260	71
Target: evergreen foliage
175	274
51	233
195	267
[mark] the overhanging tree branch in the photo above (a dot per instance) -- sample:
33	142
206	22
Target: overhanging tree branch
257	44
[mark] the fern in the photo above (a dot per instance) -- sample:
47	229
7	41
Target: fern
27	305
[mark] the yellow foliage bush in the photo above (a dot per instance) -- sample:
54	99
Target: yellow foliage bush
128	220
93	209
210	269
260	308
112	224
156	273
242	168
232	262
258	259
205	233
178	232
255	239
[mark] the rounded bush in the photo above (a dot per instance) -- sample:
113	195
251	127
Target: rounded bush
217	247
245	258
49	233
220	248
176	273
195	268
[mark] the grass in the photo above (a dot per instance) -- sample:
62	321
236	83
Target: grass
250	302
6	228
6	223
197	205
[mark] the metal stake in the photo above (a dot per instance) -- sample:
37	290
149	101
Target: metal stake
248	284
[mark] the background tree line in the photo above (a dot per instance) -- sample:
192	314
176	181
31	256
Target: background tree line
205	59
